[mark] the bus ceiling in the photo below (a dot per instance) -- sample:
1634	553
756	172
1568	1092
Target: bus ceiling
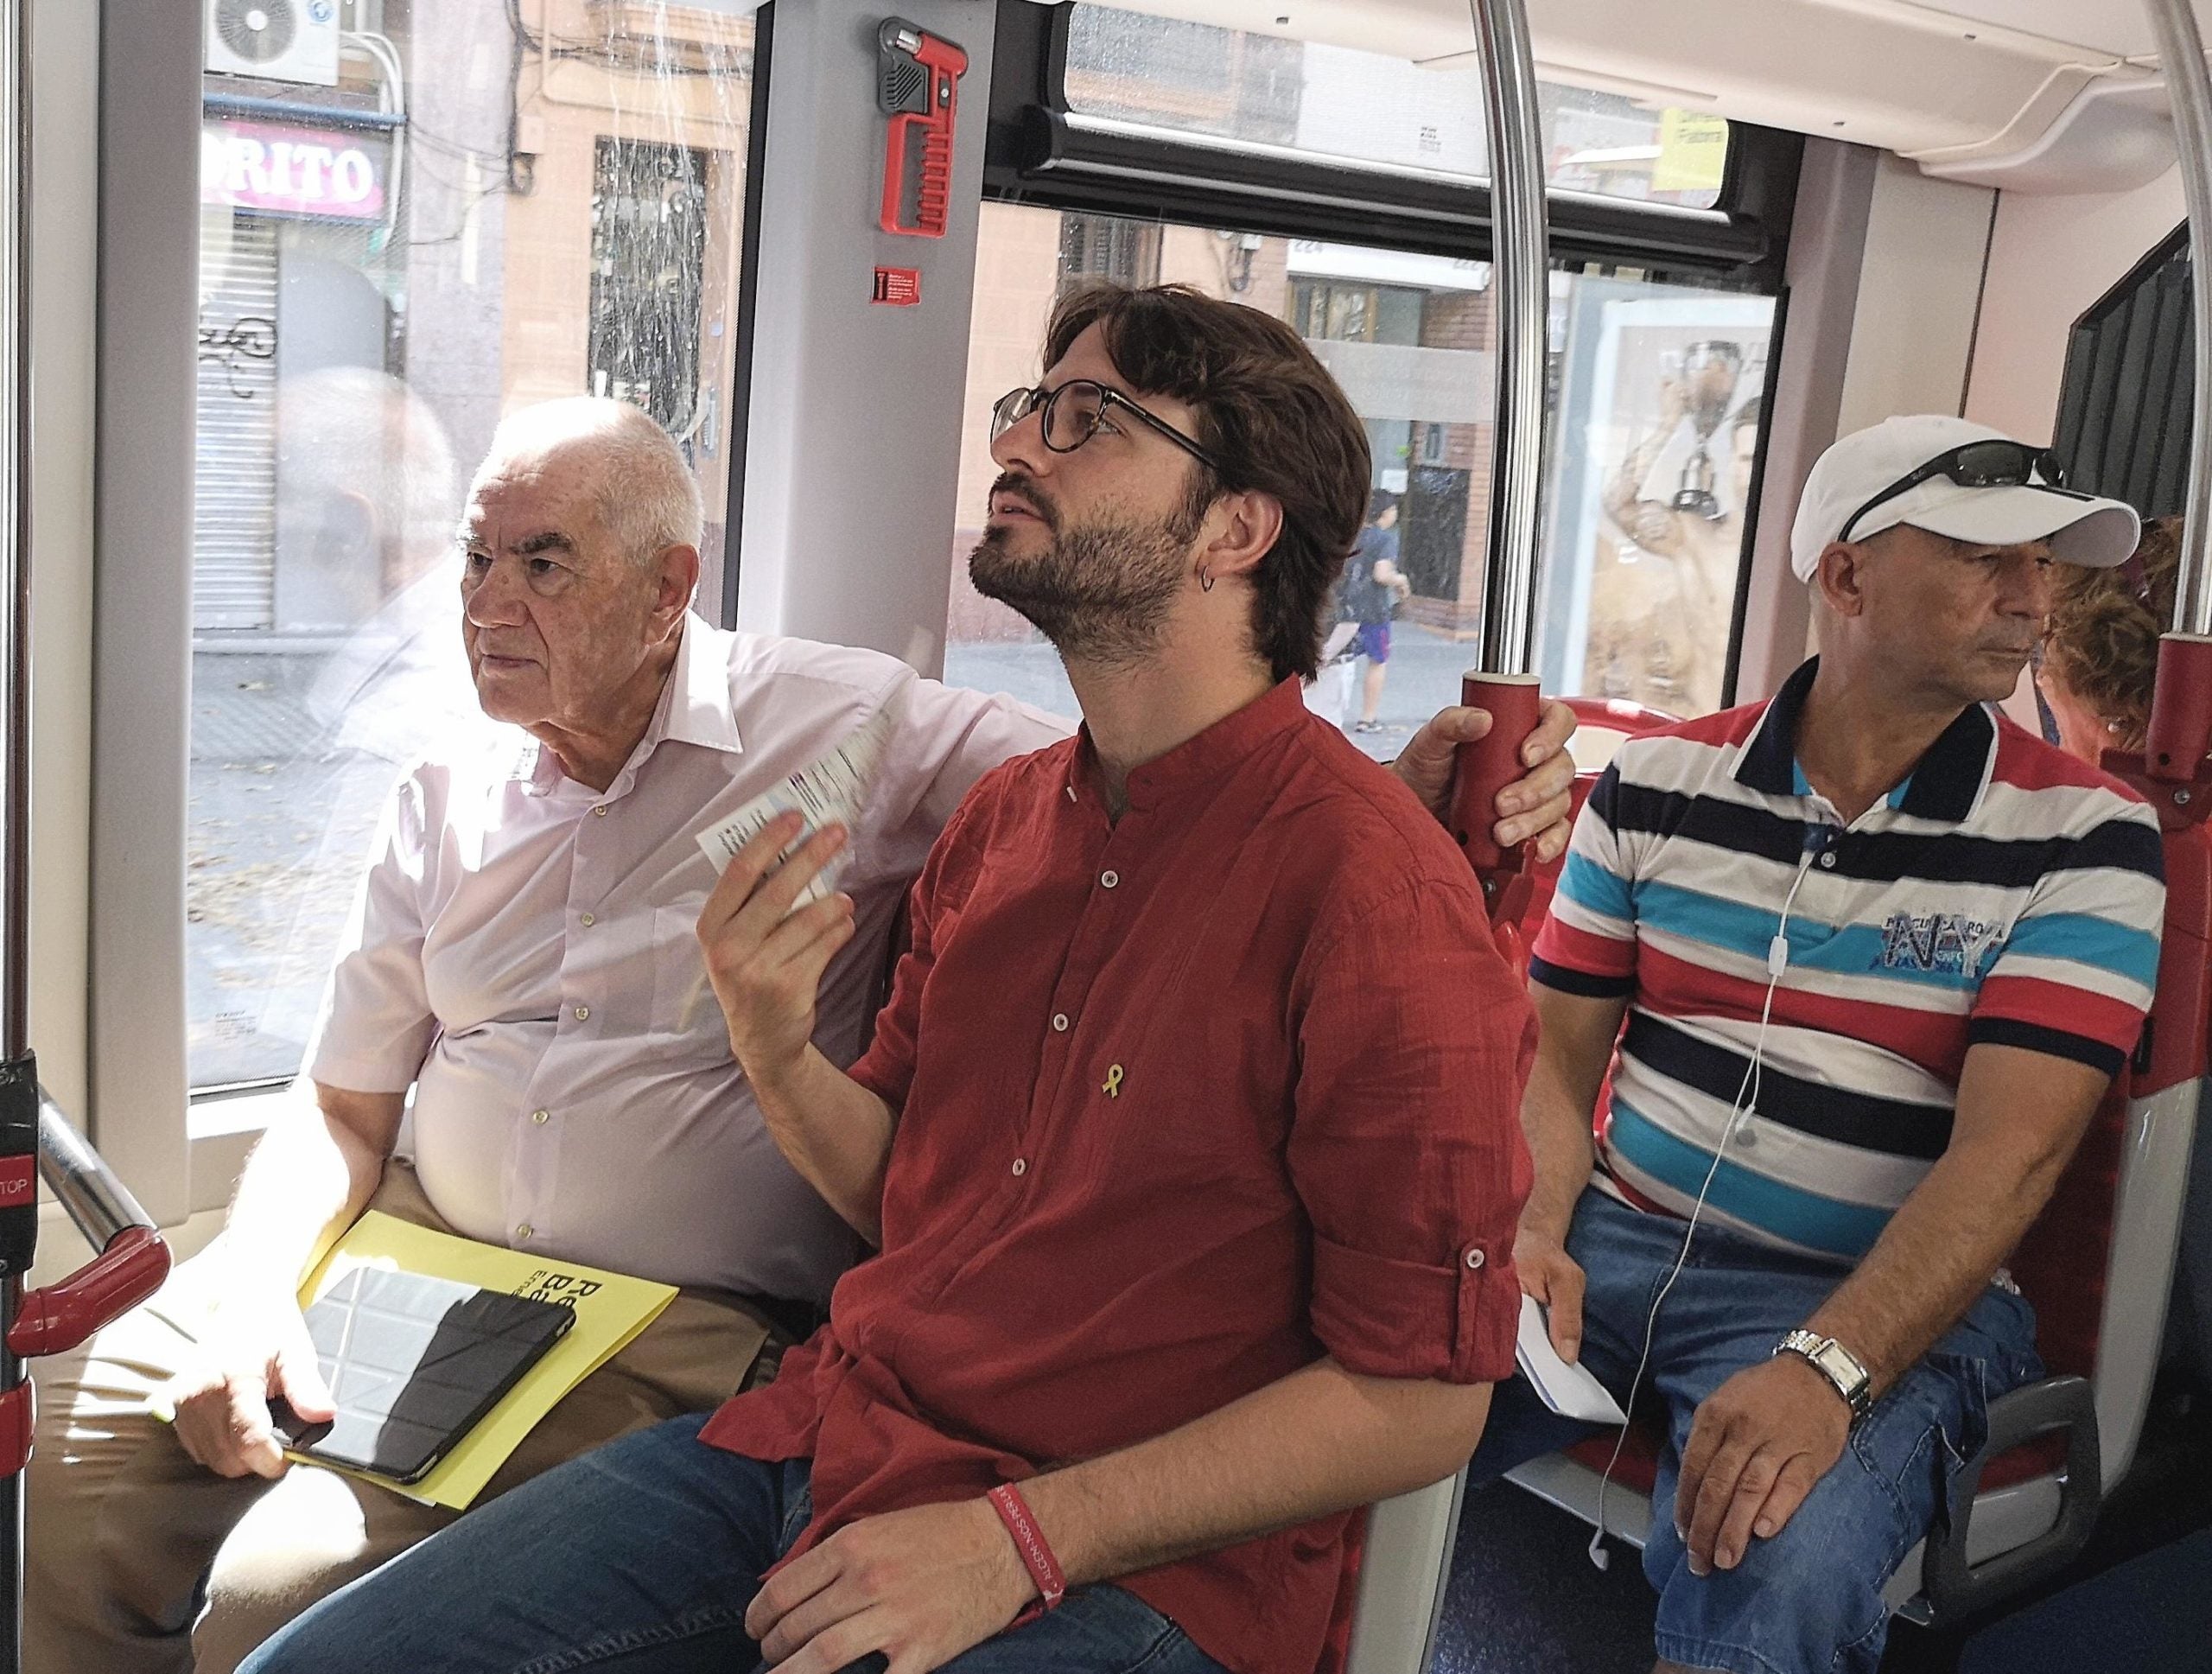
2041	96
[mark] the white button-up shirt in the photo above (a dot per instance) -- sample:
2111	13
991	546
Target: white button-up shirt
533	972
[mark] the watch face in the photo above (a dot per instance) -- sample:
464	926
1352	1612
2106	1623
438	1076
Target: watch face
1835	1363
1844	1370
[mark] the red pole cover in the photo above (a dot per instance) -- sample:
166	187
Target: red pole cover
1488	766
2181	708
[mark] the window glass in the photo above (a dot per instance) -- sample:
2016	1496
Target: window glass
1335	101
1654	423
417	215
1656	431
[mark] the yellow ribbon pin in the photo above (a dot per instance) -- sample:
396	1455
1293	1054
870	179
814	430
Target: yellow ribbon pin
1112	1087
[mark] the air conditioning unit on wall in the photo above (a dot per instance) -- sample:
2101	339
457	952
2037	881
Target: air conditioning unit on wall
275	40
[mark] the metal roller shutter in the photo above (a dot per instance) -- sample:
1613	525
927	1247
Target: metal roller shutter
234	475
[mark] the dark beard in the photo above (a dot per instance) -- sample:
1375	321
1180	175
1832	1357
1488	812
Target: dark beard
1100	593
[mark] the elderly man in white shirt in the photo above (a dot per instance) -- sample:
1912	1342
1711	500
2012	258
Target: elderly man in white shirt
523	958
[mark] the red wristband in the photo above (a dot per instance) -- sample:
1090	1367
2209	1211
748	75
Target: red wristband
1029	1540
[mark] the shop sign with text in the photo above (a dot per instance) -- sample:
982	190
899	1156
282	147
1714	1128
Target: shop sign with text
272	168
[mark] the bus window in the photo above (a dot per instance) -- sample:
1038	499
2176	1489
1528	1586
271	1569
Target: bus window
1334	101
1656	422
407	231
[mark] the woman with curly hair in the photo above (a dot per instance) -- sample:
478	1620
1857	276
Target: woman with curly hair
2100	648
2093	681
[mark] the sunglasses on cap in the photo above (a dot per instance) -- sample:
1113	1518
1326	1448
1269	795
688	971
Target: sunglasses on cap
1998	462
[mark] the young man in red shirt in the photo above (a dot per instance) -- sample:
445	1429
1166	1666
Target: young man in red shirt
1189	1139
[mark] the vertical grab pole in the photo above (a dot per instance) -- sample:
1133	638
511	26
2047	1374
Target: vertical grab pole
2181	708
19	1099
2189	90
1504	682
1521	276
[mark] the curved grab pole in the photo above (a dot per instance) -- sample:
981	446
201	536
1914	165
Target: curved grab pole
133	1257
99	1203
1504	682
2188	91
2172	770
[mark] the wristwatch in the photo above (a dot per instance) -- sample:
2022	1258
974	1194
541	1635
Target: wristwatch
1835	1363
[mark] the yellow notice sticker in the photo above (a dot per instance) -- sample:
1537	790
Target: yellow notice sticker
1692	152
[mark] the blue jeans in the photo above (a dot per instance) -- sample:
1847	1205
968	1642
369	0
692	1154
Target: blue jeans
1809	1599
642	1558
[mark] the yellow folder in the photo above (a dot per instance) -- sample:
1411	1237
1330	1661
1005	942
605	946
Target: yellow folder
611	1309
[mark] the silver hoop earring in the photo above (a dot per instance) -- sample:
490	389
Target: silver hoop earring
1205	579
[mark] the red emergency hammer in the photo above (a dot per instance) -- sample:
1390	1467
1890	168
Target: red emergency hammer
918	86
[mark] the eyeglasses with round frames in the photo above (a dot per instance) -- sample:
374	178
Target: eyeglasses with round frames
1073	413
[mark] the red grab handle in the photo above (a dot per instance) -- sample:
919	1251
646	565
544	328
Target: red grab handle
56	1318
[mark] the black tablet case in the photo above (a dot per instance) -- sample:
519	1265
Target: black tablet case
414	1363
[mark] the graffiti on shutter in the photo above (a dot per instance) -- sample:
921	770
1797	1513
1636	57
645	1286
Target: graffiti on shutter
234	470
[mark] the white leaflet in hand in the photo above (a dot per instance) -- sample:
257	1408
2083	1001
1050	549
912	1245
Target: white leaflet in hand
1568	1391
833	791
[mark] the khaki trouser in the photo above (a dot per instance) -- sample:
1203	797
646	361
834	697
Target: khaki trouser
128	1538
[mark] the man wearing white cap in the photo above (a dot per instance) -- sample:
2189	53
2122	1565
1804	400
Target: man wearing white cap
1878	953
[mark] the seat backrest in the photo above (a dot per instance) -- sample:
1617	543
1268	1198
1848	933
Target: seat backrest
2191	1330
1396	1586
2063	1262
2066	1264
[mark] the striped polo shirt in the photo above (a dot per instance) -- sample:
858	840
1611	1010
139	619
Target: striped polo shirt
2004	892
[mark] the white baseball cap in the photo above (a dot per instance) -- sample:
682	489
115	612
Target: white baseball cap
1857	468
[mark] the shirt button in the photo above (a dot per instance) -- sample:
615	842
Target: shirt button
540	1117
1828	859
600	812
1060	1021
582	1012
1110	879
587	920
1476	1258
523	1232
1020	1167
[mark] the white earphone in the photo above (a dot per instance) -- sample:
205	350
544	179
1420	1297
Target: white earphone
1747	1099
